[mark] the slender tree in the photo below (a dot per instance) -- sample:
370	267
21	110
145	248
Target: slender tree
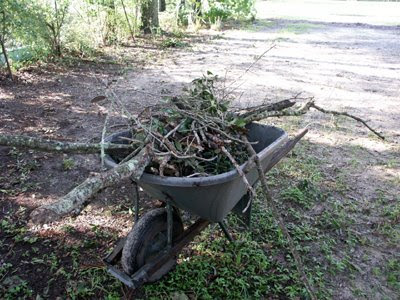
162	5
149	10
4	51
54	14
7	23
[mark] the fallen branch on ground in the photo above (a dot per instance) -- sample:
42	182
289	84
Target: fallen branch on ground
46	145
73	202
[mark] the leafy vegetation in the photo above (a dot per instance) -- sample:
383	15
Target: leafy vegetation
47	29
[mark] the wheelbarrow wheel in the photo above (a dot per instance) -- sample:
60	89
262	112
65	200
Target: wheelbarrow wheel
147	239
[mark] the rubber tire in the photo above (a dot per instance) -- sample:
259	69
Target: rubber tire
143	235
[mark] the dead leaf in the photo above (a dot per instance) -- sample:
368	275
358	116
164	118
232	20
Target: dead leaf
98	99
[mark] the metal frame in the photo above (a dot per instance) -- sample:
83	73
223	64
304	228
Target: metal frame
144	274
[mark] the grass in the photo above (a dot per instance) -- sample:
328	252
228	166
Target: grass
257	265
68	164
323	221
173	42
299	28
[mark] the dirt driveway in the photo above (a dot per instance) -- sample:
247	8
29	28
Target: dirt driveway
347	56
318	51
344	54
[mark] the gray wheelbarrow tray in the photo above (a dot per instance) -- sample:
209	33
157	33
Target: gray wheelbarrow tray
210	198
213	197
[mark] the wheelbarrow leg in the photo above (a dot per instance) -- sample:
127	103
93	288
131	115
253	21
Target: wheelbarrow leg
170	224
226	232
136	202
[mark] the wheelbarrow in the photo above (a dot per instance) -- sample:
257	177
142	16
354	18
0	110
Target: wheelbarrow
150	249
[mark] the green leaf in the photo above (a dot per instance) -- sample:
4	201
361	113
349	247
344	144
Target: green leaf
178	146
239	122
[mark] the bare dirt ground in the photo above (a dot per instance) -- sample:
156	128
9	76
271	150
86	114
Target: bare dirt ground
345	55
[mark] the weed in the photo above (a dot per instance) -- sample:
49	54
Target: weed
14	287
24	166
68	164
90	281
173	43
393	273
299	28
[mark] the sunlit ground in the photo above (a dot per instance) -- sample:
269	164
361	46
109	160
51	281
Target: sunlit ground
371	12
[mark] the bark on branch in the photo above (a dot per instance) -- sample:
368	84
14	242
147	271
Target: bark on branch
73	202
281	222
303	110
277	106
337	113
56	146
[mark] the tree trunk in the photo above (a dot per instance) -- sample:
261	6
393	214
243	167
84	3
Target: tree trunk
149	15
154	14
163	6
57	35
74	201
3	49
180	6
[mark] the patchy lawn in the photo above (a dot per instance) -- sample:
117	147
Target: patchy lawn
338	190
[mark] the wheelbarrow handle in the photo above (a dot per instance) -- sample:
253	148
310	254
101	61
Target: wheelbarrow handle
285	149
279	154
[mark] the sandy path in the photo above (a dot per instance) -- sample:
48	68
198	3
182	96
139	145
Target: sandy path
353	66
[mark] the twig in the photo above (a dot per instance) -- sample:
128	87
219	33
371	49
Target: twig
183	156
132	154
239	170
281	223
198	174
304	109
163	163
337	113
277	106
127	21
249	67
173	130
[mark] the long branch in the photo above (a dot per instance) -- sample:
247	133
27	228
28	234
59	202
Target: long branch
74	201
337	113
281	222
277	106
303	110
46	145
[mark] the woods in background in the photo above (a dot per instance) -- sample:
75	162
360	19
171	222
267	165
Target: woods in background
42	29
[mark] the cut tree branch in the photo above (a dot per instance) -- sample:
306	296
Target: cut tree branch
73	202
277	106
57	146
303	110
337	113
281	222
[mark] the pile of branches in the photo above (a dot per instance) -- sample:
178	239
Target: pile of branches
196	134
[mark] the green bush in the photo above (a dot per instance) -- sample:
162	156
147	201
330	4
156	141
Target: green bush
229	9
